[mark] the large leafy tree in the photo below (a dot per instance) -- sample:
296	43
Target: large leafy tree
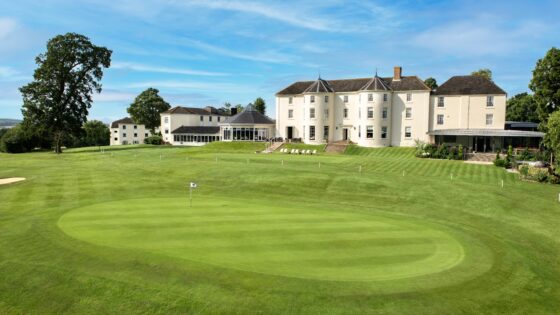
146	109
96	133
546	84
552	136
260	105
431	83
58	100
522	107
486	73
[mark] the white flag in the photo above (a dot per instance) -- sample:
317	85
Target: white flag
193	185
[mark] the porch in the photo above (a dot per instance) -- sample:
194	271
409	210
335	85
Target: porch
486	140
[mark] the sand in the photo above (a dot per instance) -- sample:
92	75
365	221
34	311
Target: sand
6	181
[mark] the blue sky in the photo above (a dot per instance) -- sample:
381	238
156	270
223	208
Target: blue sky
200	53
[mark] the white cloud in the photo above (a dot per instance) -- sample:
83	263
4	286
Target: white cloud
149	68
478	37
7	27
185	85
12	75
108	95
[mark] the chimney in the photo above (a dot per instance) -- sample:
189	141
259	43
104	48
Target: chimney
233	111
397	73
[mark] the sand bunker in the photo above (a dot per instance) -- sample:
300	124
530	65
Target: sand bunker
6	181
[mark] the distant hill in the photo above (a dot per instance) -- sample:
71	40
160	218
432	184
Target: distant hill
8	123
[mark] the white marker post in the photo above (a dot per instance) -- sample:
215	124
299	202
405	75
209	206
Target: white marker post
451	176
403	173
282	162
360	169
502	183
191	187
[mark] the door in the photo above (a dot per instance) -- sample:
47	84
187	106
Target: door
290	132
344	134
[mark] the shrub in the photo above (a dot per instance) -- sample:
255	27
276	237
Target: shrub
500	162
541	176
524	171
16	140
460	152
155	140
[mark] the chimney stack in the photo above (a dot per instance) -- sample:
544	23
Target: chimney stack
397	73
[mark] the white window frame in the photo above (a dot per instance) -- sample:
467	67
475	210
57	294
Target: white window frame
370	112
369	132
290	100
290	114
345	98
440	119
326	113
408	130
312	99
370	97
385	97
408	113
409	97
384	132
491	116
384	112
441	102
312	113
326	134
490	101
326	98
312	132
345	113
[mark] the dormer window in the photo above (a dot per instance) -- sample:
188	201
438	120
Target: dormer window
312	99
490	101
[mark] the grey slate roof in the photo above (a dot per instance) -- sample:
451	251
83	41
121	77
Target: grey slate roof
487	133
406	83
249	116
197	130
319	86
126	120
208	110
468	85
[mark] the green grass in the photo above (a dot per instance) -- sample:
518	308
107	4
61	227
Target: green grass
113	233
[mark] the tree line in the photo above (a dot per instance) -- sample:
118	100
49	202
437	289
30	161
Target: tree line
56	103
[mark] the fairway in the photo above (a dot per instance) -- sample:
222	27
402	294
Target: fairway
368	231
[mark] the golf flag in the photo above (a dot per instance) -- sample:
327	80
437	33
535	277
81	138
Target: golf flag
193	185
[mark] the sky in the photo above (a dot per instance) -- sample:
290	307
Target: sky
200	53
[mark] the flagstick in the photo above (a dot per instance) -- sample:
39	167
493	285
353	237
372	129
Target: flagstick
190	196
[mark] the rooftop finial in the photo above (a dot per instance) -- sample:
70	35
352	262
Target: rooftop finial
319	72
375	71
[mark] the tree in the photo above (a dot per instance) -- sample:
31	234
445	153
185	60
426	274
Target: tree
552	136
146	109
486	73
546	84
96	133
226	109
59	98
522	107
260	105
431	83
239	108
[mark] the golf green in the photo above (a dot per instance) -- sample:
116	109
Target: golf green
289	241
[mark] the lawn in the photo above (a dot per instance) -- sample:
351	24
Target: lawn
370	231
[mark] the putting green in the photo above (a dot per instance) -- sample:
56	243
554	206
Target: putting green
288	241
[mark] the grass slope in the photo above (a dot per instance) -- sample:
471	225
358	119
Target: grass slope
103	233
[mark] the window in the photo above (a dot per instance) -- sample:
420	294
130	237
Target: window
166	131
359	131
326	133
124	135
490	101
312	99
124	127
201	118
408	112
409	97
345	98
408	132
489	119
345	114
209	118
290	113
370	97
440	102
370	112
116	139
219	118
384	113
311	132
115	131
146	135
449	139
326	98
383	132
312	113
290	100
326	113
135	127
385	97
440	119
166	120
359	113
135	135
369	132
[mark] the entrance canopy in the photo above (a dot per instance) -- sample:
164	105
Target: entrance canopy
487	133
